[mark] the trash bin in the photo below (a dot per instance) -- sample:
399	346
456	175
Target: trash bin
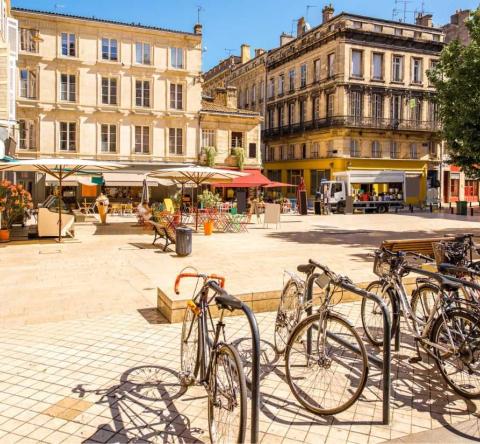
183	241
317	205
462	209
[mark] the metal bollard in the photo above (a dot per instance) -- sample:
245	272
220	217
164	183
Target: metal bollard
451	209
411	208
431	208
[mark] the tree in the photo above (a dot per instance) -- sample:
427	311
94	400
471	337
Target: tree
457	80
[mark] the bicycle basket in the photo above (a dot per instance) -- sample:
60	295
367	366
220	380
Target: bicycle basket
381	267
455	253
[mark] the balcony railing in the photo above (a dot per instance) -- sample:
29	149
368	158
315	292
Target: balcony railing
350	121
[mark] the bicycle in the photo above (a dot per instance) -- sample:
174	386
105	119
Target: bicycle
326	360
216	363
291	307
448	330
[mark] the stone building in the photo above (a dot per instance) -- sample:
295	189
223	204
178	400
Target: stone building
225	128
350	94
457	29
99	89
8	81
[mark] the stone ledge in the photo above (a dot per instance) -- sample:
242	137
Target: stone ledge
259	302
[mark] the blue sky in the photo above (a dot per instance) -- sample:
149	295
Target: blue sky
229	23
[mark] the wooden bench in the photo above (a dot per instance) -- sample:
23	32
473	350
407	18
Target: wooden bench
422	246
163	231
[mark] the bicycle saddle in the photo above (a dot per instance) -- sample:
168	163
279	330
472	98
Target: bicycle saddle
228	302
446	268
449	285
306	268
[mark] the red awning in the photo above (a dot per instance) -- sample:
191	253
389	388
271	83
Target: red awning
254	178
278	185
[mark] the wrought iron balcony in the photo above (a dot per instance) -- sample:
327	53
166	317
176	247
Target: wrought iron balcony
350	121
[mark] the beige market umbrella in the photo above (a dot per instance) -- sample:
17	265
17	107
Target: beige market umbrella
197	175
60	168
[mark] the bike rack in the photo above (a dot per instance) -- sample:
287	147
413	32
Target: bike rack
255	382
383	364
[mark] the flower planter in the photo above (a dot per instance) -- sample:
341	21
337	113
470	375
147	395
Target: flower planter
4	235
208	227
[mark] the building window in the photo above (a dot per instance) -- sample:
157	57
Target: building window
176	96
354	148
270	117
315	151
417	35
357	25
175	141
291	152
377	107
109	91
142	53
247	96
413	151
280	116
283	151
68	84
142	93
316	70
330	105
291	113
436	37
397	68
252	150
294	177
177	58
142	139
28	84
281	82
208	138
416	110
291	80
68	136
356	108
303	76
109	49
396	108
27	135
316	108
394	152
357	63
331	64
69	47
376	149
29	39
271	88
398	31
254	94
433	112
108	139
377	28
262	90
316	177
237	141
377	66
416	70
303	111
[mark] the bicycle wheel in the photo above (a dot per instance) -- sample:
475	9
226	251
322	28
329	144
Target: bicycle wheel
227	399
189	349
371	313
328	378
423	300
287	315
459	333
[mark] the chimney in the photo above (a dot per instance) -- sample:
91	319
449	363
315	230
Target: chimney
245	53
424	20
197	29
327	13
259	52
285	38
226	96
300	26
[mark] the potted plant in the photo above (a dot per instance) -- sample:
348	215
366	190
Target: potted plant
240	155
208	200
14	200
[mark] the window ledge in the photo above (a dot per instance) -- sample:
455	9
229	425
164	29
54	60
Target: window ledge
30	53
377	80
352	77
416	84
398	82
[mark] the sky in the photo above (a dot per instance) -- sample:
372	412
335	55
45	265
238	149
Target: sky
229	23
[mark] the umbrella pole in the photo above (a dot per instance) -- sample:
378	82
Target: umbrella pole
60	206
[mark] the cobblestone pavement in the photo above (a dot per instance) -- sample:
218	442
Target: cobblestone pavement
114	379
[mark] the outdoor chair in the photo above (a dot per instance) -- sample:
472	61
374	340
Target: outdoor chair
116	209
168	203
127	208
48	223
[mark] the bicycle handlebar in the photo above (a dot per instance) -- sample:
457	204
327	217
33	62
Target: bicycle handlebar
205	278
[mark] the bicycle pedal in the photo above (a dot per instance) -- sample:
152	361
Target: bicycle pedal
415	359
